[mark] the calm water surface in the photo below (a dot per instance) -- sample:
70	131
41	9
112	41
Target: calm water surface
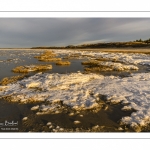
10	59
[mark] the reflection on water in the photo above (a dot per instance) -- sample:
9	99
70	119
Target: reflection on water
10	59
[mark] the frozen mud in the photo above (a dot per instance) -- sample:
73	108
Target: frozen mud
81	91
128	58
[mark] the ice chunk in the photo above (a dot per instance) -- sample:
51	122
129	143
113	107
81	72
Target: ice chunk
35	107
32	84
2	88
25	118
77	122
126	108
49	124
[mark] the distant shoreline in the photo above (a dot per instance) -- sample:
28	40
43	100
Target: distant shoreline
113	50
137	44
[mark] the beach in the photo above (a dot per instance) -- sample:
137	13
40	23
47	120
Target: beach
99	90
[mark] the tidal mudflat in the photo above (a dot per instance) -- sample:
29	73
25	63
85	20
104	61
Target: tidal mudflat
97	91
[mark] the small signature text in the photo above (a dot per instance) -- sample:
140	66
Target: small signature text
9	125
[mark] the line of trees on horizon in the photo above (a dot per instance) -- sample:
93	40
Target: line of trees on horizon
136	44
140	40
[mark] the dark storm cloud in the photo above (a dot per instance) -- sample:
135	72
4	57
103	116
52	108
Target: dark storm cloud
61	31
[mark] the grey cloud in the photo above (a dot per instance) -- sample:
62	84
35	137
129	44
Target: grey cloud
28	32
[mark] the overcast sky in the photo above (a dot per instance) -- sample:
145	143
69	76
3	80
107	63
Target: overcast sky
70	31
